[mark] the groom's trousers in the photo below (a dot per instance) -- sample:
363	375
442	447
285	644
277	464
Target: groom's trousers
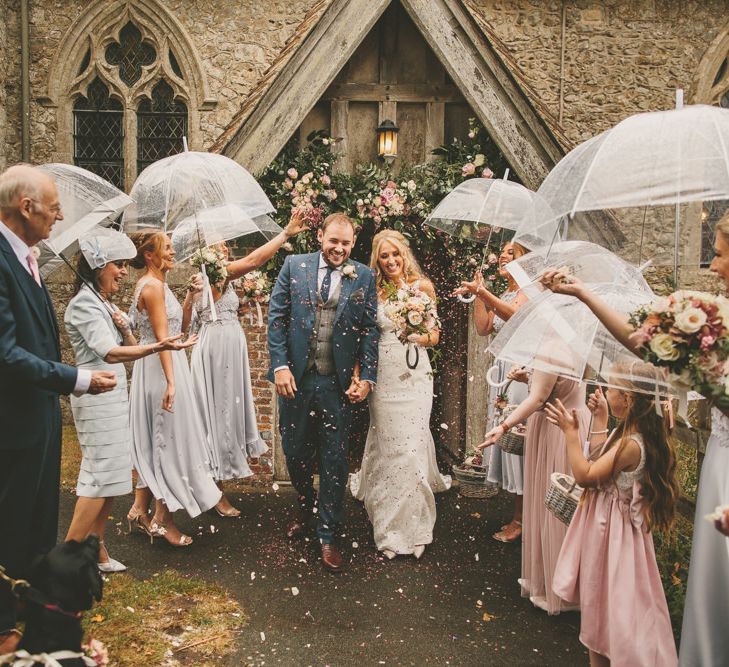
315	421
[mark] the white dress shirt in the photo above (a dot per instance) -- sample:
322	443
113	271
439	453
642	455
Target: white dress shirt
336	275
21	250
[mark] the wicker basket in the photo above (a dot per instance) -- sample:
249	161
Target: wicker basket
512	442
474	483
563	496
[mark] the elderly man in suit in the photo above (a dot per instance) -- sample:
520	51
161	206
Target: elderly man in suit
31	378
322	337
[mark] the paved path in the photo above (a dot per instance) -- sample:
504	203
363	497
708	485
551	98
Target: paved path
377	612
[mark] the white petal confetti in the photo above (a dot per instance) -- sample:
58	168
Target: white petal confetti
263	636
253	576
294	590
130	609
444	426
275	486
475	557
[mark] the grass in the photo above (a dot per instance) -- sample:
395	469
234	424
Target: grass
168	619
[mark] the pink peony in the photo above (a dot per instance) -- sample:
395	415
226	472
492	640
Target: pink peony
487	173
326	180
468	169
288	183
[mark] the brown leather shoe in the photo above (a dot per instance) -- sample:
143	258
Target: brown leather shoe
9	641
331	558
295	530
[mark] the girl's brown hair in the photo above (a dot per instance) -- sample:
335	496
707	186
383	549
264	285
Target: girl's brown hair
152	241
410	268
659	484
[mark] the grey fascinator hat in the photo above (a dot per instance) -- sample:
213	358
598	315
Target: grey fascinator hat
104	245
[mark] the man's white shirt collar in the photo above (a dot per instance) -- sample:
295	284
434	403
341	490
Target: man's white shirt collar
20	248
323	264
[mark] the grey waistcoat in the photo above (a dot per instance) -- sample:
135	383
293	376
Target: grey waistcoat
321	349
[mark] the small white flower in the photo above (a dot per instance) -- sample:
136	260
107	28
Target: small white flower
348	271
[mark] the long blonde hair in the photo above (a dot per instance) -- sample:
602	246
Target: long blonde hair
410	268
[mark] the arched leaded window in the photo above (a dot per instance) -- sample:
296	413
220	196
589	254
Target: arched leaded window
98	133
134	110
161	124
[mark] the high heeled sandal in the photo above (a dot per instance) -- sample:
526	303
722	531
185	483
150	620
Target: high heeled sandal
232	512
135	516
110	566
161	530
501	535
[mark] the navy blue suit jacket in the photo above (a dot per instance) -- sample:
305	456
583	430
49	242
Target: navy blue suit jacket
31	375
292	311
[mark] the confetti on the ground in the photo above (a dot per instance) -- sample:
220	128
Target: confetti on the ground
294	590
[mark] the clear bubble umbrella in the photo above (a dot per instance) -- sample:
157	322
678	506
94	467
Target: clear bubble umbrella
478	207
87	200
176	189
208	197
559	334
655	159
587	261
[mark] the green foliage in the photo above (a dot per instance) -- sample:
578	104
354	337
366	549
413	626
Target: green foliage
302	177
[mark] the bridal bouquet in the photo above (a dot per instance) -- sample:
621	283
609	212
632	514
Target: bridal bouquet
688	334
214	261
412	311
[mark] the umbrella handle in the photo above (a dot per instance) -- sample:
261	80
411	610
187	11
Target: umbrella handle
208	294
490	378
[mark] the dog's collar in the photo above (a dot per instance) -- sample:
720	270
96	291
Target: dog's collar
59	610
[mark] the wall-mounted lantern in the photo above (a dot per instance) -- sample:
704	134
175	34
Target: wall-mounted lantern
387	140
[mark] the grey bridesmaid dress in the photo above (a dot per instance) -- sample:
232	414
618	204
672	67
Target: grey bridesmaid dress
169	451
221	380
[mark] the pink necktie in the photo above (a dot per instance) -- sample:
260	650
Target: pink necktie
33	265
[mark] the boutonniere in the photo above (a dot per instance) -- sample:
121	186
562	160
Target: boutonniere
348	271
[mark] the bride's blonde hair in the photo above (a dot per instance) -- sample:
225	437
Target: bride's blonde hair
410	268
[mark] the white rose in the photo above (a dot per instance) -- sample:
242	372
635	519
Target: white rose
690	320
663	346
415	318
661	304
479	160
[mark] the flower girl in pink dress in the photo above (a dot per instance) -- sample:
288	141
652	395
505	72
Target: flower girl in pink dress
607	563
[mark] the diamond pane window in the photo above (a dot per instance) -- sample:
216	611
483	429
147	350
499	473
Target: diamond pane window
161	124
98	133
130	54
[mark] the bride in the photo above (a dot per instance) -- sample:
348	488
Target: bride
399	473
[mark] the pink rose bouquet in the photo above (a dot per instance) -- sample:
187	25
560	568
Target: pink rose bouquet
687	333
412	311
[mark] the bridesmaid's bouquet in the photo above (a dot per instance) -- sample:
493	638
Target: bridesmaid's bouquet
411	310
254	289
687	333
214	262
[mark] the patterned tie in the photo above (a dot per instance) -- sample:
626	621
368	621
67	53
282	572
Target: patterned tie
33	266
326	285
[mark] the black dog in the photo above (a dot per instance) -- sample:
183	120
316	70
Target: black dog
64	584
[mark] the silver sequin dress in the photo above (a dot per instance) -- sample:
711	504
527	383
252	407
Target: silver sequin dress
221	380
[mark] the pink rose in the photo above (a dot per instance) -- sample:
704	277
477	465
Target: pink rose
292	173
487	173
468	169
288	183
326	180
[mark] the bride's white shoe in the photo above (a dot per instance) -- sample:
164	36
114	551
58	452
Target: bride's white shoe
389	554
419	550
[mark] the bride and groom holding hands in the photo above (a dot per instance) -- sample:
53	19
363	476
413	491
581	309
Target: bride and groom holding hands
331	345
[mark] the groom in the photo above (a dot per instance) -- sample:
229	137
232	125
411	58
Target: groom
322	338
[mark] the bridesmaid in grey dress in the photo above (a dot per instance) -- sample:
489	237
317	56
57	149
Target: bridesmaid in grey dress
168	438
490	313
221	373
102	341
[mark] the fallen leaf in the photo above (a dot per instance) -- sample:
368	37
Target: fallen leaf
98	618
488	617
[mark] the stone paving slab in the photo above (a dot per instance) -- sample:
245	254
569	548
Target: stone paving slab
377	612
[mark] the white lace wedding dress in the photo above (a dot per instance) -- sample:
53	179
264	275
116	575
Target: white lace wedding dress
399	473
